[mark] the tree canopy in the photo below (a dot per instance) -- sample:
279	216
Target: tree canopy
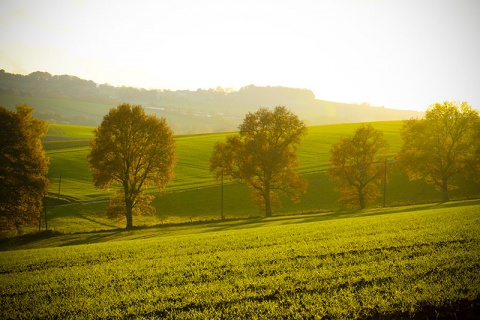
263	155
23	168
133	150
441	145
473	163
356	163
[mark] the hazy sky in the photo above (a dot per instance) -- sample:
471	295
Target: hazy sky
399	54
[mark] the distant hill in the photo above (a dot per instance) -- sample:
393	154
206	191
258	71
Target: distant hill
71	100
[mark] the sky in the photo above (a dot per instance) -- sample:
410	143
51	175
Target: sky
403	54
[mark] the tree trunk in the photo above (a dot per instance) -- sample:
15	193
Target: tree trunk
361	198
268	205
446	197
128	213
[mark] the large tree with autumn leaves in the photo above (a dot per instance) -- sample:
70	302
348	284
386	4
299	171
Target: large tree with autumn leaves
355	162
133	150
263	155
23	168
441	145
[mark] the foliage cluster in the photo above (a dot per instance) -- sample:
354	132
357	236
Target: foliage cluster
436	148
355	163
23	166
396	262
442	145
132	150
264	156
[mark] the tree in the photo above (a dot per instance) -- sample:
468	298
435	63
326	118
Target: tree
264	156
355	163
134	150
23	168
473	163
441	145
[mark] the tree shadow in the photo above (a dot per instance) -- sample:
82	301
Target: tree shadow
11	243
390	210
97	236
343	214
95	221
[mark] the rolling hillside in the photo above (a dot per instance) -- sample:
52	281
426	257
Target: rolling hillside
416	262
69	99
67	147
310	260
194	195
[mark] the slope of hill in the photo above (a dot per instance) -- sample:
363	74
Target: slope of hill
194	195
69	99
67	147
418	262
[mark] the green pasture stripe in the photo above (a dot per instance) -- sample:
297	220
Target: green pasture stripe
64	144
69	131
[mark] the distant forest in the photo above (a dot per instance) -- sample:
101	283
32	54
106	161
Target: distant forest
70	99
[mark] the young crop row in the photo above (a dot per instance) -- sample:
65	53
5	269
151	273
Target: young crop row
389	264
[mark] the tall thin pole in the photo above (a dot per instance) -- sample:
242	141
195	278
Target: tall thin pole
385	184
45	210
59	183
40	217
223	216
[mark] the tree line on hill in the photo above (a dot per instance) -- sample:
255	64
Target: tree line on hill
187	112
133	149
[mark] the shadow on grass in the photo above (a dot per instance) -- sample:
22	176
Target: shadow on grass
12	243
344	214
91	237
50	238
85	217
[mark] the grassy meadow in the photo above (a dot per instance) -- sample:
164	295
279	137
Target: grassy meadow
311	260
406	262
194	151
194	195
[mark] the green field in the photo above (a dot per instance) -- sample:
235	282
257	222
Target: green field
67	147
194	195
418	261
311	260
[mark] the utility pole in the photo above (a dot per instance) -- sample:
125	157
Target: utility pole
223	216
385	184
40	216
59	183
45	210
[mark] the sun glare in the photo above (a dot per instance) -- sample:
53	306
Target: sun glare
384	53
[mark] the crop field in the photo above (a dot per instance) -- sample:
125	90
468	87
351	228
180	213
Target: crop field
67	147
314	153
406	262
56	131
194	195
